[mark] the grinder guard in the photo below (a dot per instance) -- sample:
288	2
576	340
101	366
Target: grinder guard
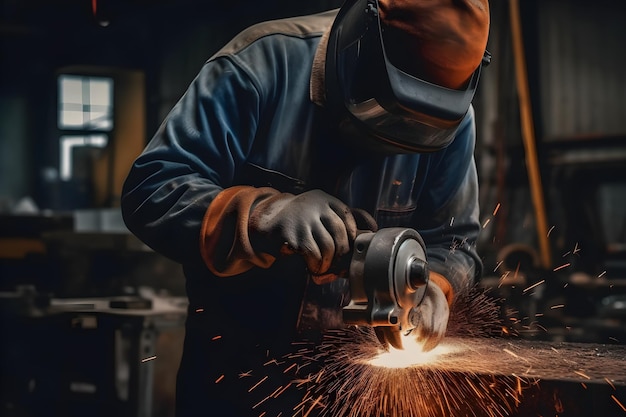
388	276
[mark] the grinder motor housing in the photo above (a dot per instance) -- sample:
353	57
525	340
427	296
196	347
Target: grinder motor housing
388	276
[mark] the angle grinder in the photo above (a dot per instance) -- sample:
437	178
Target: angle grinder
379	284
388	276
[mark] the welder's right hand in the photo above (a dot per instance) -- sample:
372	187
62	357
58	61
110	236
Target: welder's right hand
431	316
313	224
246	227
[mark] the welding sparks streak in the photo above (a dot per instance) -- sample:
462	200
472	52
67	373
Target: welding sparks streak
618	402
151	358
558	268
582	374
503	277
515	355
495	211
316	402
258	383
534	285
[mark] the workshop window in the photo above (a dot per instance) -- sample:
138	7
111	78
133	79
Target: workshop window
85	103
85	119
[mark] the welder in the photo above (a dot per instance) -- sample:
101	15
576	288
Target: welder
292	138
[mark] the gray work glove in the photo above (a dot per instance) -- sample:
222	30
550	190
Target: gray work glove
313	224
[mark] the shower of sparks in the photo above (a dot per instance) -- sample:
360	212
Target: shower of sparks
561	267
498	266
348	374
358	379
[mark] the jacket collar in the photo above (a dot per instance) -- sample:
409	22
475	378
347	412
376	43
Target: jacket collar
317	85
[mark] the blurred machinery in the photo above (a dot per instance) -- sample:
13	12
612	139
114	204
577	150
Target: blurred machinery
92	320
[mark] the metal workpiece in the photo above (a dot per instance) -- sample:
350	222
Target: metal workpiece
468	376
543	378
388	276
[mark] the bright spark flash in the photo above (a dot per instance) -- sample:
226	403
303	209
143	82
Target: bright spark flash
411	355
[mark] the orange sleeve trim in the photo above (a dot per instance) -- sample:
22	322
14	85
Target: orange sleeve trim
224	241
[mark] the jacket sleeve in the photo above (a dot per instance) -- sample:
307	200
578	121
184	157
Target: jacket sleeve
448	211
192	157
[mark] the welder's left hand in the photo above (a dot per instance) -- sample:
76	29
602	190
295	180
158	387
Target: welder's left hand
431	316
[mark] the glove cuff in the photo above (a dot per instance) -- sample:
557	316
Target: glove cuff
444	284
224	240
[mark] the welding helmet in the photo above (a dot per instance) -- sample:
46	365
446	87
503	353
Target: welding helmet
376	103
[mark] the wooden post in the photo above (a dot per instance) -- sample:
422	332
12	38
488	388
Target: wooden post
528	136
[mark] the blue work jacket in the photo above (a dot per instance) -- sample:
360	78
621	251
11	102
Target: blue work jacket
248	119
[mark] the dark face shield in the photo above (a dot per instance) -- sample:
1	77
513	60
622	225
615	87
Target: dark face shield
378	100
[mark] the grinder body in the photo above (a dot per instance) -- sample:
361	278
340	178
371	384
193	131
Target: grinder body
388	276
379	284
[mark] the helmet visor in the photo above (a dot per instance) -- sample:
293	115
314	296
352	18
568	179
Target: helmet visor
390	104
